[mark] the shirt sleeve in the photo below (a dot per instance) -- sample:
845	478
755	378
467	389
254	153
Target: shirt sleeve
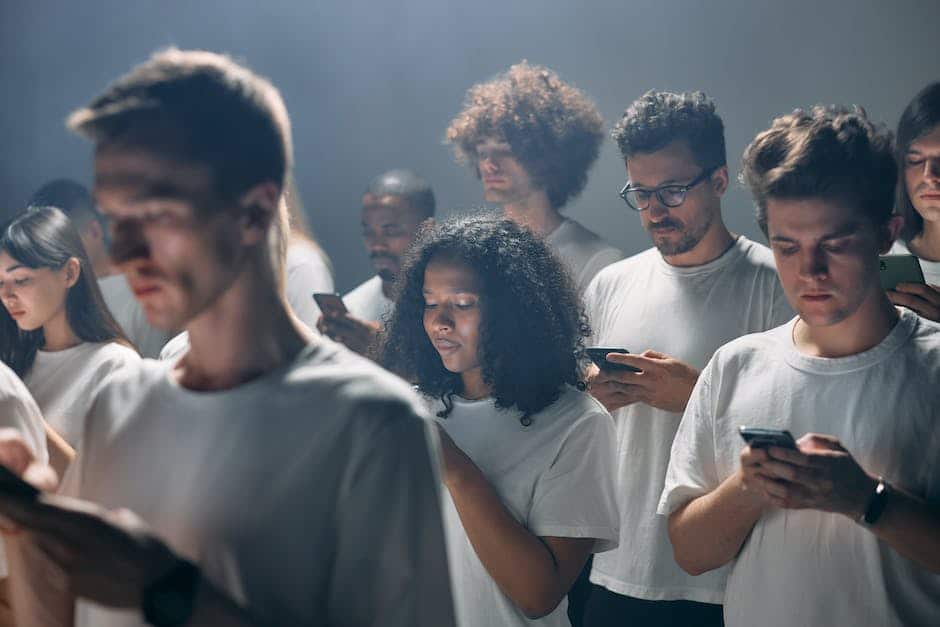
598	262
693	470
302	282
575	496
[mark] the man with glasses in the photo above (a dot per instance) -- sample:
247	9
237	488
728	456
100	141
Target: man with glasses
699	287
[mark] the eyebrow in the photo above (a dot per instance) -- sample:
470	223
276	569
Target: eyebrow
15	266
849	229
150	189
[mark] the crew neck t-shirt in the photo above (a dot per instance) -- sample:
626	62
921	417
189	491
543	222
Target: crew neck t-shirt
552	476
808	567
309	495
931	269
583	252
367	301
65	383
644	303
307	274
130	317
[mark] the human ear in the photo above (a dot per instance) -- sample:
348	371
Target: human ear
890	232
259	206
719	180
73	270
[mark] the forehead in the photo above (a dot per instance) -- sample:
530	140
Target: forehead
929	142
450	275
673	163
387	208
809	218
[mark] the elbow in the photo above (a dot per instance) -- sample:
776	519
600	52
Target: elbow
684	551
690	566
540	605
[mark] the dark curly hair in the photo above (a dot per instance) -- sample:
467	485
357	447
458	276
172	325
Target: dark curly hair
532	323
554	129
920	117
657	118
831	152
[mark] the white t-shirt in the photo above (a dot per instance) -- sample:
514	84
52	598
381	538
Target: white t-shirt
65	383
644	303
583	252
807	567
931	269
307	273
551	476
309	495
367	301
130	317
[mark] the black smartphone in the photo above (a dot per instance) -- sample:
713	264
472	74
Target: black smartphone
896	269
762	438
11	483
330	304
598	355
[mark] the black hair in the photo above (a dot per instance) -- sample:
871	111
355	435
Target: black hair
920	117
70	197
415	190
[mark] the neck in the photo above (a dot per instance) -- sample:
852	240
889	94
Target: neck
534	212
861	331
57	334
717	240
246	333
927	243
474	388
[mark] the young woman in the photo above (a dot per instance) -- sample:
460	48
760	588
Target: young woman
55	331
489	326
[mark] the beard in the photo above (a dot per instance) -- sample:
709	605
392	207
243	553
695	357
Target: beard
689	236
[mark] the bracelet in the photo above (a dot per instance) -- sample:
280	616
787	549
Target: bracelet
876	504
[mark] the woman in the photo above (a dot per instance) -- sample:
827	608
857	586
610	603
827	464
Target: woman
57	334
489	326
918	201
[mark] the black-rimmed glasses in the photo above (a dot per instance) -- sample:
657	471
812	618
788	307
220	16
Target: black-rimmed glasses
638	198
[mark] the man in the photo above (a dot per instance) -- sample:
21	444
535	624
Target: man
393	207
531	139
697	288
76	202
249	473
843	528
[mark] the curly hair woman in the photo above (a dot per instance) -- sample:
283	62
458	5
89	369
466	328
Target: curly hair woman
488	324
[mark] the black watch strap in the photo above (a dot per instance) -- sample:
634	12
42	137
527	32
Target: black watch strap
169	601
876	504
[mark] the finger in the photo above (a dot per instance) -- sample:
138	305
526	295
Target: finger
914	303
42	476
926	292
816	442
790	456
15	454
753	456
627	359
649	352
788	472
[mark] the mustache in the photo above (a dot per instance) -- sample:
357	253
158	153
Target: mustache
382	256
663	224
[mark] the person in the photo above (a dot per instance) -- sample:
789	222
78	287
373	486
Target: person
239	484
58	334
698	287
393	207
842	528
531	139
525	453
74	199
918	200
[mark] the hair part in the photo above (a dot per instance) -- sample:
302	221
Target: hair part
409	186
920	117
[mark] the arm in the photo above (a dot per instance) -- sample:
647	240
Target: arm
534	572
60	453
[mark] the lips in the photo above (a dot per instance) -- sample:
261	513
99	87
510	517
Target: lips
17	314
144	290
815	296
444	345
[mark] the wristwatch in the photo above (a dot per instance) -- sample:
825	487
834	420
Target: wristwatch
876	504
169	601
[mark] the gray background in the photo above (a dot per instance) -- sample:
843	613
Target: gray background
373	85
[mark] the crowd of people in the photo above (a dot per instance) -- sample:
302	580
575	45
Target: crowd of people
189	439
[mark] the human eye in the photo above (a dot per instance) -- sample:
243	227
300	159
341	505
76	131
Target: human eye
784	250
836	246
428	305
21	280
465	303
913	160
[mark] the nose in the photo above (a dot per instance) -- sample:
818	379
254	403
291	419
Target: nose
932	170
442	319
656	210
128	242
814	264
375	242
488	165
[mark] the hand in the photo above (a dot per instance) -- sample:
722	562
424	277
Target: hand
922	299
453	459
358	335
665	382
821	475
18	457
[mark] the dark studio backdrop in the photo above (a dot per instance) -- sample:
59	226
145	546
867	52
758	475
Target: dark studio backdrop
372	85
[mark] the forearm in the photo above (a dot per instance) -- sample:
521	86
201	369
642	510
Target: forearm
37	587
911	527
709	531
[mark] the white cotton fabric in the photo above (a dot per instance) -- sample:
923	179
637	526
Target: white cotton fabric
552	476
130	317
644	303
367	301
807	567
307	273
309	495
583	252
65	383
931	269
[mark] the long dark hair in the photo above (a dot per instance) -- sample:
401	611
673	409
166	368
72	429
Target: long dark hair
43	237
532	325
920	117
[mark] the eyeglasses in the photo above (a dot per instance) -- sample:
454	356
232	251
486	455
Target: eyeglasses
638	198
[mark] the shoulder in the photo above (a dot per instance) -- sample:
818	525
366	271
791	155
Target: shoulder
366	289
625	269
12	388
742	352
925	337
302	255
576	410
588	241
113	353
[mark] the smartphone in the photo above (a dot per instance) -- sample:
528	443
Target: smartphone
330	304
899	269
11	483
598	355
762	438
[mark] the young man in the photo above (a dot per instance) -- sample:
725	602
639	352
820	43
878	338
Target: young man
76	202
697	288
918	153
393	207
844	528
258	464
531	139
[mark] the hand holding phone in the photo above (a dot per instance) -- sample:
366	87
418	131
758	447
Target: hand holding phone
763	438
331	305
598	354
894	269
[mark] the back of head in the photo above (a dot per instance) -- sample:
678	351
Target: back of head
407	185
920	117
553	128
829	152
71	197
658	118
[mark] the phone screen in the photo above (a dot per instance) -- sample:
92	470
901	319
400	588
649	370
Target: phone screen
762	438
330	304
598	355
896	269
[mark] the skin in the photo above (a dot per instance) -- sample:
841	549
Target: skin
922	181
534	572
695	227
827	257
35	298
